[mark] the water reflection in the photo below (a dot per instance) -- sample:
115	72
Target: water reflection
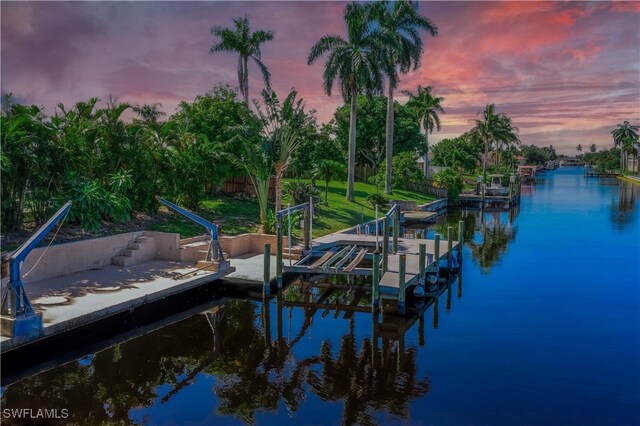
253	370
623	203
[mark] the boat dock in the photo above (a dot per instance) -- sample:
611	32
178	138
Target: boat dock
590	173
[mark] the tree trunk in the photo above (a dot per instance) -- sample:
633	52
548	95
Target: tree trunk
389	147
278	188
352	144
245	77
484	162
426	153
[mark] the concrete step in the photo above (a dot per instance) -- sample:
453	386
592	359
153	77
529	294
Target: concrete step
127	253
133	246
122	260
142	239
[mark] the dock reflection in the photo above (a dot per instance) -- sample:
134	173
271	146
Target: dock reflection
241	344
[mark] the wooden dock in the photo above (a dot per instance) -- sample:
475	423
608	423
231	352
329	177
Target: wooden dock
597	174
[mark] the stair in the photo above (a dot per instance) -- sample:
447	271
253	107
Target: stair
296	253
138	251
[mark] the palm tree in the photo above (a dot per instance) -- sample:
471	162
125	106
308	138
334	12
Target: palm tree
579	148
327	170
593	148
399	23
624	135
492	128
247	44
355	63
427	108
508	136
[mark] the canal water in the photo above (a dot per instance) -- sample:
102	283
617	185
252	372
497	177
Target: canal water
542	328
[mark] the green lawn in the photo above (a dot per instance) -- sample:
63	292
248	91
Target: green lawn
241	216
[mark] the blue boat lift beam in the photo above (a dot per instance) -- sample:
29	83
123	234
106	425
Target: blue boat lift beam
215	252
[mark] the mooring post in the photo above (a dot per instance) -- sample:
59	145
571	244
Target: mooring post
377	230
436	250
460	238
266	281
385	244
396	229
289	242
375	293
311	222
449	245
307	233
401	284
279	251
422	257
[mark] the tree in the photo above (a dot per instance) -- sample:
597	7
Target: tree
355	63
624	136
459	153
247	44
284	125
492	128
370	130
579	148
593	148
327	170
427	108
399	23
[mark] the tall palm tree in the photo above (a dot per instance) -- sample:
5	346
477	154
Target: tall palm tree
427	108
247	44
593	148
624	135
507	137
399	23
355	63
493	128
579	148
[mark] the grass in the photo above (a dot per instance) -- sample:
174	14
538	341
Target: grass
239	216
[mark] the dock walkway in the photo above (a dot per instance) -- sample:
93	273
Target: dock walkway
75	300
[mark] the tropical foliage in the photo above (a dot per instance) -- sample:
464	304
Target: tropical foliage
625	137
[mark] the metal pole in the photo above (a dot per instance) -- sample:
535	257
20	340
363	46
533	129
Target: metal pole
375	294
306	230
385	244
401	284
267	269
279	251
311	222
289	231
377	245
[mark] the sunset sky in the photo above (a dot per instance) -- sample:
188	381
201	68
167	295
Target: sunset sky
566	72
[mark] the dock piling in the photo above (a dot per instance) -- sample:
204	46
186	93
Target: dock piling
421	262
436	250
401	284
307	227
385	245
267	269
396	229
375	293
450	245
460	238
279	251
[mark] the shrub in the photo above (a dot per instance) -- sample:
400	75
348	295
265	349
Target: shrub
452	181
405	171
301	191
377	199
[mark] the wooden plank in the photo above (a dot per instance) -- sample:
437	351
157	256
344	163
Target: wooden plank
355	261
318	263
346	257
392	279
335	257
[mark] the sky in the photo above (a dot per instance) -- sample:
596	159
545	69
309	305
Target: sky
566	72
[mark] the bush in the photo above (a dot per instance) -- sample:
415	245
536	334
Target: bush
452	181
377	199
404	169
301	191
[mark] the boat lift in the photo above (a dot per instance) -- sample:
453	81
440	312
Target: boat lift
214	254
18	316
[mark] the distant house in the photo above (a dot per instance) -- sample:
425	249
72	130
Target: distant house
432	169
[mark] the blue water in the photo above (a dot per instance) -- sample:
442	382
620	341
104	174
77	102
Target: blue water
542	328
